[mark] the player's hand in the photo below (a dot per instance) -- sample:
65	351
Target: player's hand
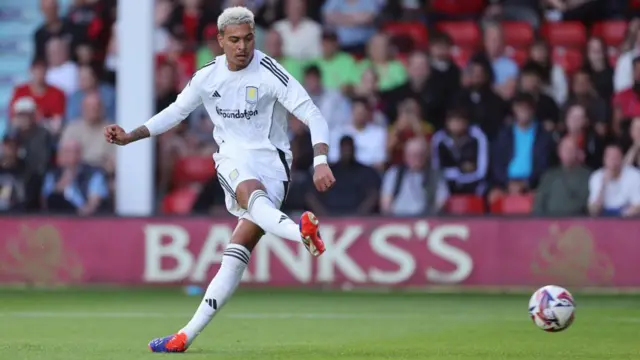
114	134
323	178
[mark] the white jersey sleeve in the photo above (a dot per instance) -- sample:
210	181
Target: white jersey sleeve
186	102
290	94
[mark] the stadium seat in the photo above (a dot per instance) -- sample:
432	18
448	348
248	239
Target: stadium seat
457	7
571	34
569	59
612	32
465	205
179	202
417	31
193	169
463	33
519	55
634	4
513	204
517	34
461	56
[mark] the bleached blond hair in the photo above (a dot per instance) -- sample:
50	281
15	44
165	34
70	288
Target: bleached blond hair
236	15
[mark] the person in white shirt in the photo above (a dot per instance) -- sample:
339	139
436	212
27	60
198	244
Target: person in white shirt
370	138
61	71
614	190
248	96
623	73
302	36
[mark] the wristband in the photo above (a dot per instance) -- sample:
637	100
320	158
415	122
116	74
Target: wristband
320	159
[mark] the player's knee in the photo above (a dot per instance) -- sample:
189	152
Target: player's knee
245	189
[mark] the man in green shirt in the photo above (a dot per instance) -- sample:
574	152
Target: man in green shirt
564	190
338	68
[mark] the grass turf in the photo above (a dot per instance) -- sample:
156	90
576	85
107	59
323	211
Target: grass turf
274	324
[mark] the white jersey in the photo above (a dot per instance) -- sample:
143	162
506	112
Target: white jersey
249	108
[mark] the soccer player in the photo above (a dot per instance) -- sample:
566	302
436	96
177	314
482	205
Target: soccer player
247	95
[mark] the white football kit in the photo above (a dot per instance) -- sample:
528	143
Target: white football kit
249	109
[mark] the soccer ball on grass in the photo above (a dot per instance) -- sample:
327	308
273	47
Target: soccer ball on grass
552	308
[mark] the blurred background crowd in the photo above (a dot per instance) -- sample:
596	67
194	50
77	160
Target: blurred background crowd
434	106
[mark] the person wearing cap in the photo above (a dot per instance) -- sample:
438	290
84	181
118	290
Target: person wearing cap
521	151
337	66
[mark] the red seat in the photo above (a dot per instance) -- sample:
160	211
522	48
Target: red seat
462	33
612	32
461	56
193	169
517	34
513	204
417	31
519	55
569	59
634	4
568	34
457	7
179	202
465	205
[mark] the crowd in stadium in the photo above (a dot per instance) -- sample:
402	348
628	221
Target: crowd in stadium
441	106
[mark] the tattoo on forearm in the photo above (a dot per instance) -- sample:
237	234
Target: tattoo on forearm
140	133
320	149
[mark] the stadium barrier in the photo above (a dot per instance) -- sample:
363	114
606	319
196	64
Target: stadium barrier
363	252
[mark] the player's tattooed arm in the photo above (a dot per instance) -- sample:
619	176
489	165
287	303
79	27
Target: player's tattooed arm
139	133
320	149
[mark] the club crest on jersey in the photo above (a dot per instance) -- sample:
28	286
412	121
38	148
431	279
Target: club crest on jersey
251	94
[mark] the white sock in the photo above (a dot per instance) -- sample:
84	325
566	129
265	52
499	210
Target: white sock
271	219
234	261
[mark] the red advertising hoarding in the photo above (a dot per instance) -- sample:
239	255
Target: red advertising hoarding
360	252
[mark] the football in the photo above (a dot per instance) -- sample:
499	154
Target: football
552	308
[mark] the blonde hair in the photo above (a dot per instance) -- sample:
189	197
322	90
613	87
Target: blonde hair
236	15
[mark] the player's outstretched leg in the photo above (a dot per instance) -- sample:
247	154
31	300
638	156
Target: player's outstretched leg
274	221
234	261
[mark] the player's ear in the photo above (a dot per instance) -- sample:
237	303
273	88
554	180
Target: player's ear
220	38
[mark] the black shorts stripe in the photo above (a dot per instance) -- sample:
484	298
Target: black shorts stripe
225	186
286	192
283	159
284	79
238	253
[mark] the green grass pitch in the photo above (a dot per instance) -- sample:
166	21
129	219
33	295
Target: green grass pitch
277	324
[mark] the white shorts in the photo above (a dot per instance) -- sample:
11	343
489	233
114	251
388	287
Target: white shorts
231	172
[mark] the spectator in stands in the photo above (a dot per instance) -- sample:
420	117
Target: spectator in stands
12	177
161	35
443	69
586	11
61	72
370	138
211	47
273	47
50	101
85	20
485	108
111	57
367	88
85	54
336	65
632	157
420	85
89	132
505	70
301	146
613	189
547	111
564	190
165	86
408	125
584	94
391	73
514	10
624	74
596	63
187	21
334	106
407	10
302	36
358	191
626	104
578	129
89	82
54	27
35	145
554	79
182	58
354	21
73	187
461	153
413	189
521	152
